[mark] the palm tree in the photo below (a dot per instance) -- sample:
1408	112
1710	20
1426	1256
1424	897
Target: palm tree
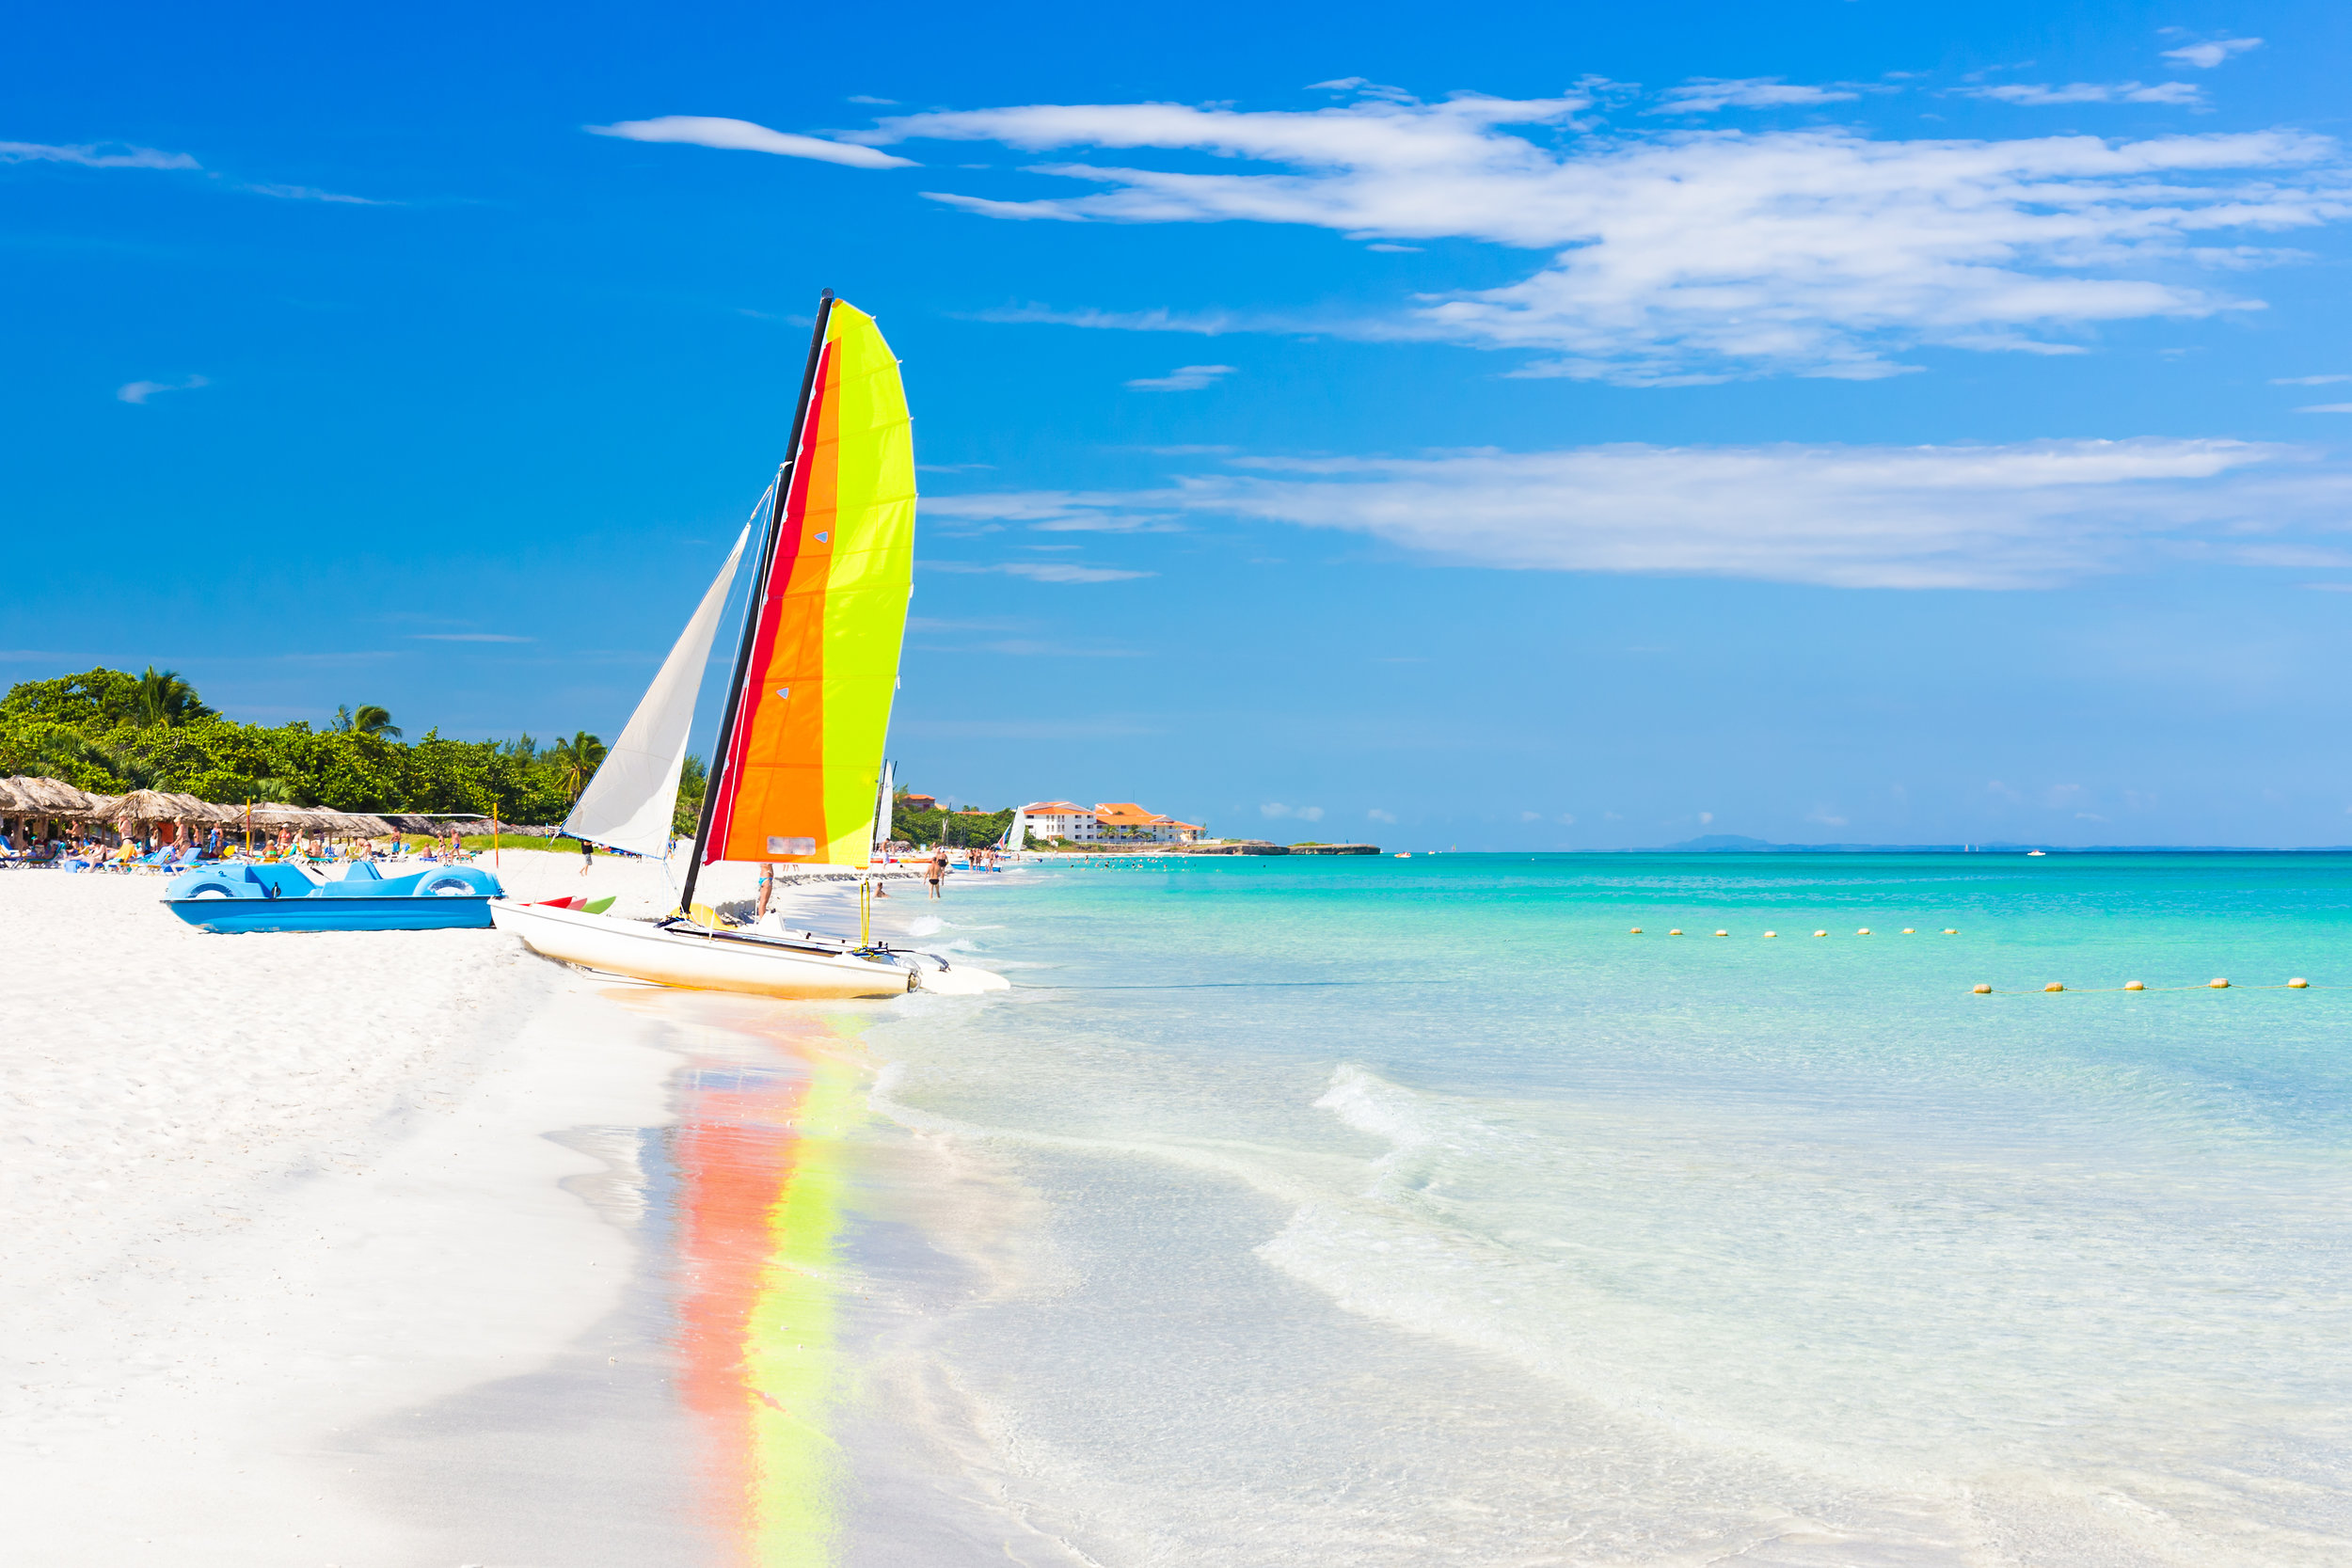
578	760
367	719
164	698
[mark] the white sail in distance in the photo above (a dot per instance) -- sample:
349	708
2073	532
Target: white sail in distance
630	802
886	796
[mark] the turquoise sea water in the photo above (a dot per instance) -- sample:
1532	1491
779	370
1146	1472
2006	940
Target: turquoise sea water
1389	1212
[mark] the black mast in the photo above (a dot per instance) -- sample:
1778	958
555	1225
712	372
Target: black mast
752	607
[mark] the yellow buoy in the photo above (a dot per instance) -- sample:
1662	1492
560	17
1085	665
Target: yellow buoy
2134	985
2298	983
2053	986
1863	932
1951	930
1675	932
1637	931
1984	991
1722	934
2218	984
1821	933
1909	932
1771	933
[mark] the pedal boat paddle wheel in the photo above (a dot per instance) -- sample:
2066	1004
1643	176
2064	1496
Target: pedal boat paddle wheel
800	778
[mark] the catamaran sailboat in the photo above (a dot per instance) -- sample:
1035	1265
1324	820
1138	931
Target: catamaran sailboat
800	778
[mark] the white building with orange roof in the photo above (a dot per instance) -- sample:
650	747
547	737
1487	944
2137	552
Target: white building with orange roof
1063	819
1109	822
1123	821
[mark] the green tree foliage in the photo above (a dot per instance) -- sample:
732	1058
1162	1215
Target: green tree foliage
953	828
165	698
111	732
693	780
576	760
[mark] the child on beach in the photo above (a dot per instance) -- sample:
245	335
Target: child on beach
587	857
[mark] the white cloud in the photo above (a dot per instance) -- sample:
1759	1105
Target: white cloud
1042	571
1304	813
1184	378
468	637
102	155
2042	94
1694	256
1052	511
741	135
2308	380
2211	53
2326	408
139	391
1531	816
879	102
1703	95
310	193
1376	814
2031	514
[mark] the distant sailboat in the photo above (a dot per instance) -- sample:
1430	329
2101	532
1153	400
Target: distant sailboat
800	778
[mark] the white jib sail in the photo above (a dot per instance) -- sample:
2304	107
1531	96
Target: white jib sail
629	803
1017	831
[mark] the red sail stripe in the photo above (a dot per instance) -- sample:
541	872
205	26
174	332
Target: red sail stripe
787	557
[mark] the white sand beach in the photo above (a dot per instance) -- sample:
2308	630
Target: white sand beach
259	1190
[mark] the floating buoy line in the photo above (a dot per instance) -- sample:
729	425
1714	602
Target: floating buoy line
2217	983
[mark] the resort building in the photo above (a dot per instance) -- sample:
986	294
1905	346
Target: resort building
1063	819
1123	821
918	803
1110	822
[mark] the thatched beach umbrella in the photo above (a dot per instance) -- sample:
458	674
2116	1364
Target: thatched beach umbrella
145	805
50	797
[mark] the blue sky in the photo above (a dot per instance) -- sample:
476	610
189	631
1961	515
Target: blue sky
1552	428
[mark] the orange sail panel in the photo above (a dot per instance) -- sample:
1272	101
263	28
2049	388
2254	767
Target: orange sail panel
807	745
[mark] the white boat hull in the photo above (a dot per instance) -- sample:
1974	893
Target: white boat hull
698	961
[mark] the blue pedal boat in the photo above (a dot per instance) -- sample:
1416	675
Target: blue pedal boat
279	898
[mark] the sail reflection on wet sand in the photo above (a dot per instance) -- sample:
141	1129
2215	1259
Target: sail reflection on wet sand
758	1153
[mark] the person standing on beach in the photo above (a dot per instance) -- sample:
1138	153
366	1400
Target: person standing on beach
767	884
587	857
936	872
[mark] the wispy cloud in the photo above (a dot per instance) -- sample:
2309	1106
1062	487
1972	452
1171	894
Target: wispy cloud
877	102
2042	94
1694	256
1703	95
2326	408
1184	378
467	637
2024	515
94	155
1041	571
2308	380
1303	814
139	391
1053	512
741	135
311	193
1376	814
2206	54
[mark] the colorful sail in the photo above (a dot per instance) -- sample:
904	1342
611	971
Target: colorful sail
823	668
